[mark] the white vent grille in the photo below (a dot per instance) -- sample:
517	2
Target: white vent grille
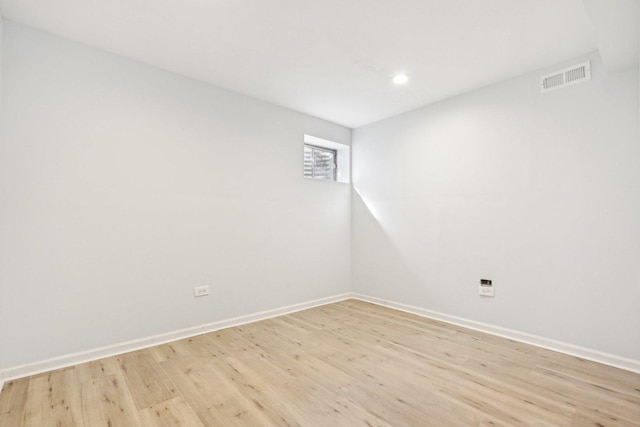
566	77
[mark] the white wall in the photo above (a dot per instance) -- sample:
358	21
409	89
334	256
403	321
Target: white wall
124	186
540	193
2	349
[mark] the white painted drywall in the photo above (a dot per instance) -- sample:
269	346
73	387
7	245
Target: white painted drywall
2	348
540	193
124	186
615	23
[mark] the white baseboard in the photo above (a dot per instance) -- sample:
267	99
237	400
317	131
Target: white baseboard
29	369
573	350
125	347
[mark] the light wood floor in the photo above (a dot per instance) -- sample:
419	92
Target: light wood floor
344	364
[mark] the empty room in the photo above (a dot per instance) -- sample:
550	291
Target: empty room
319	213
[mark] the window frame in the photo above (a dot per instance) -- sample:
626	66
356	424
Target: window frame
334	169
343	157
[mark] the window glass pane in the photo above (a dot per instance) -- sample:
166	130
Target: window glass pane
324	165
319	163
308	162
326	160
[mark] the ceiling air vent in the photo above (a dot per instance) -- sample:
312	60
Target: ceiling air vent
567	77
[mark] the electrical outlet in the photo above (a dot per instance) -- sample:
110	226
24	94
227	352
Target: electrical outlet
485	291
200	291
486	288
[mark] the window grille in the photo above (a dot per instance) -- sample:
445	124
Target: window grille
319	163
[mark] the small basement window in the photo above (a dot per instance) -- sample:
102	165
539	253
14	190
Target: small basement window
319	163
325	160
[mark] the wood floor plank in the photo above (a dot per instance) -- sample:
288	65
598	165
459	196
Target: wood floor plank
589	372
106	402
53	399
345	364
97	369
147	382
212	397
364	393
595	418
172	413
314	394
12	403
260	396
379	388
589	397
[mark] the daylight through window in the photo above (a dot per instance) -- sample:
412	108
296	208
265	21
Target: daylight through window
320	163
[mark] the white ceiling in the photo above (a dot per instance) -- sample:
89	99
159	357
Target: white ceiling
329	58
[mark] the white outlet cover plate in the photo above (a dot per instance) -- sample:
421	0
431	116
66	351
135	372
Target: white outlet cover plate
200	291
485	291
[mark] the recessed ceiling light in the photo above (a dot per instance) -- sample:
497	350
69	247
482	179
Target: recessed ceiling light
400	79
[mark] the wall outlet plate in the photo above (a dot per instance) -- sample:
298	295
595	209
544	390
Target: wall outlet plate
200	291
485	291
